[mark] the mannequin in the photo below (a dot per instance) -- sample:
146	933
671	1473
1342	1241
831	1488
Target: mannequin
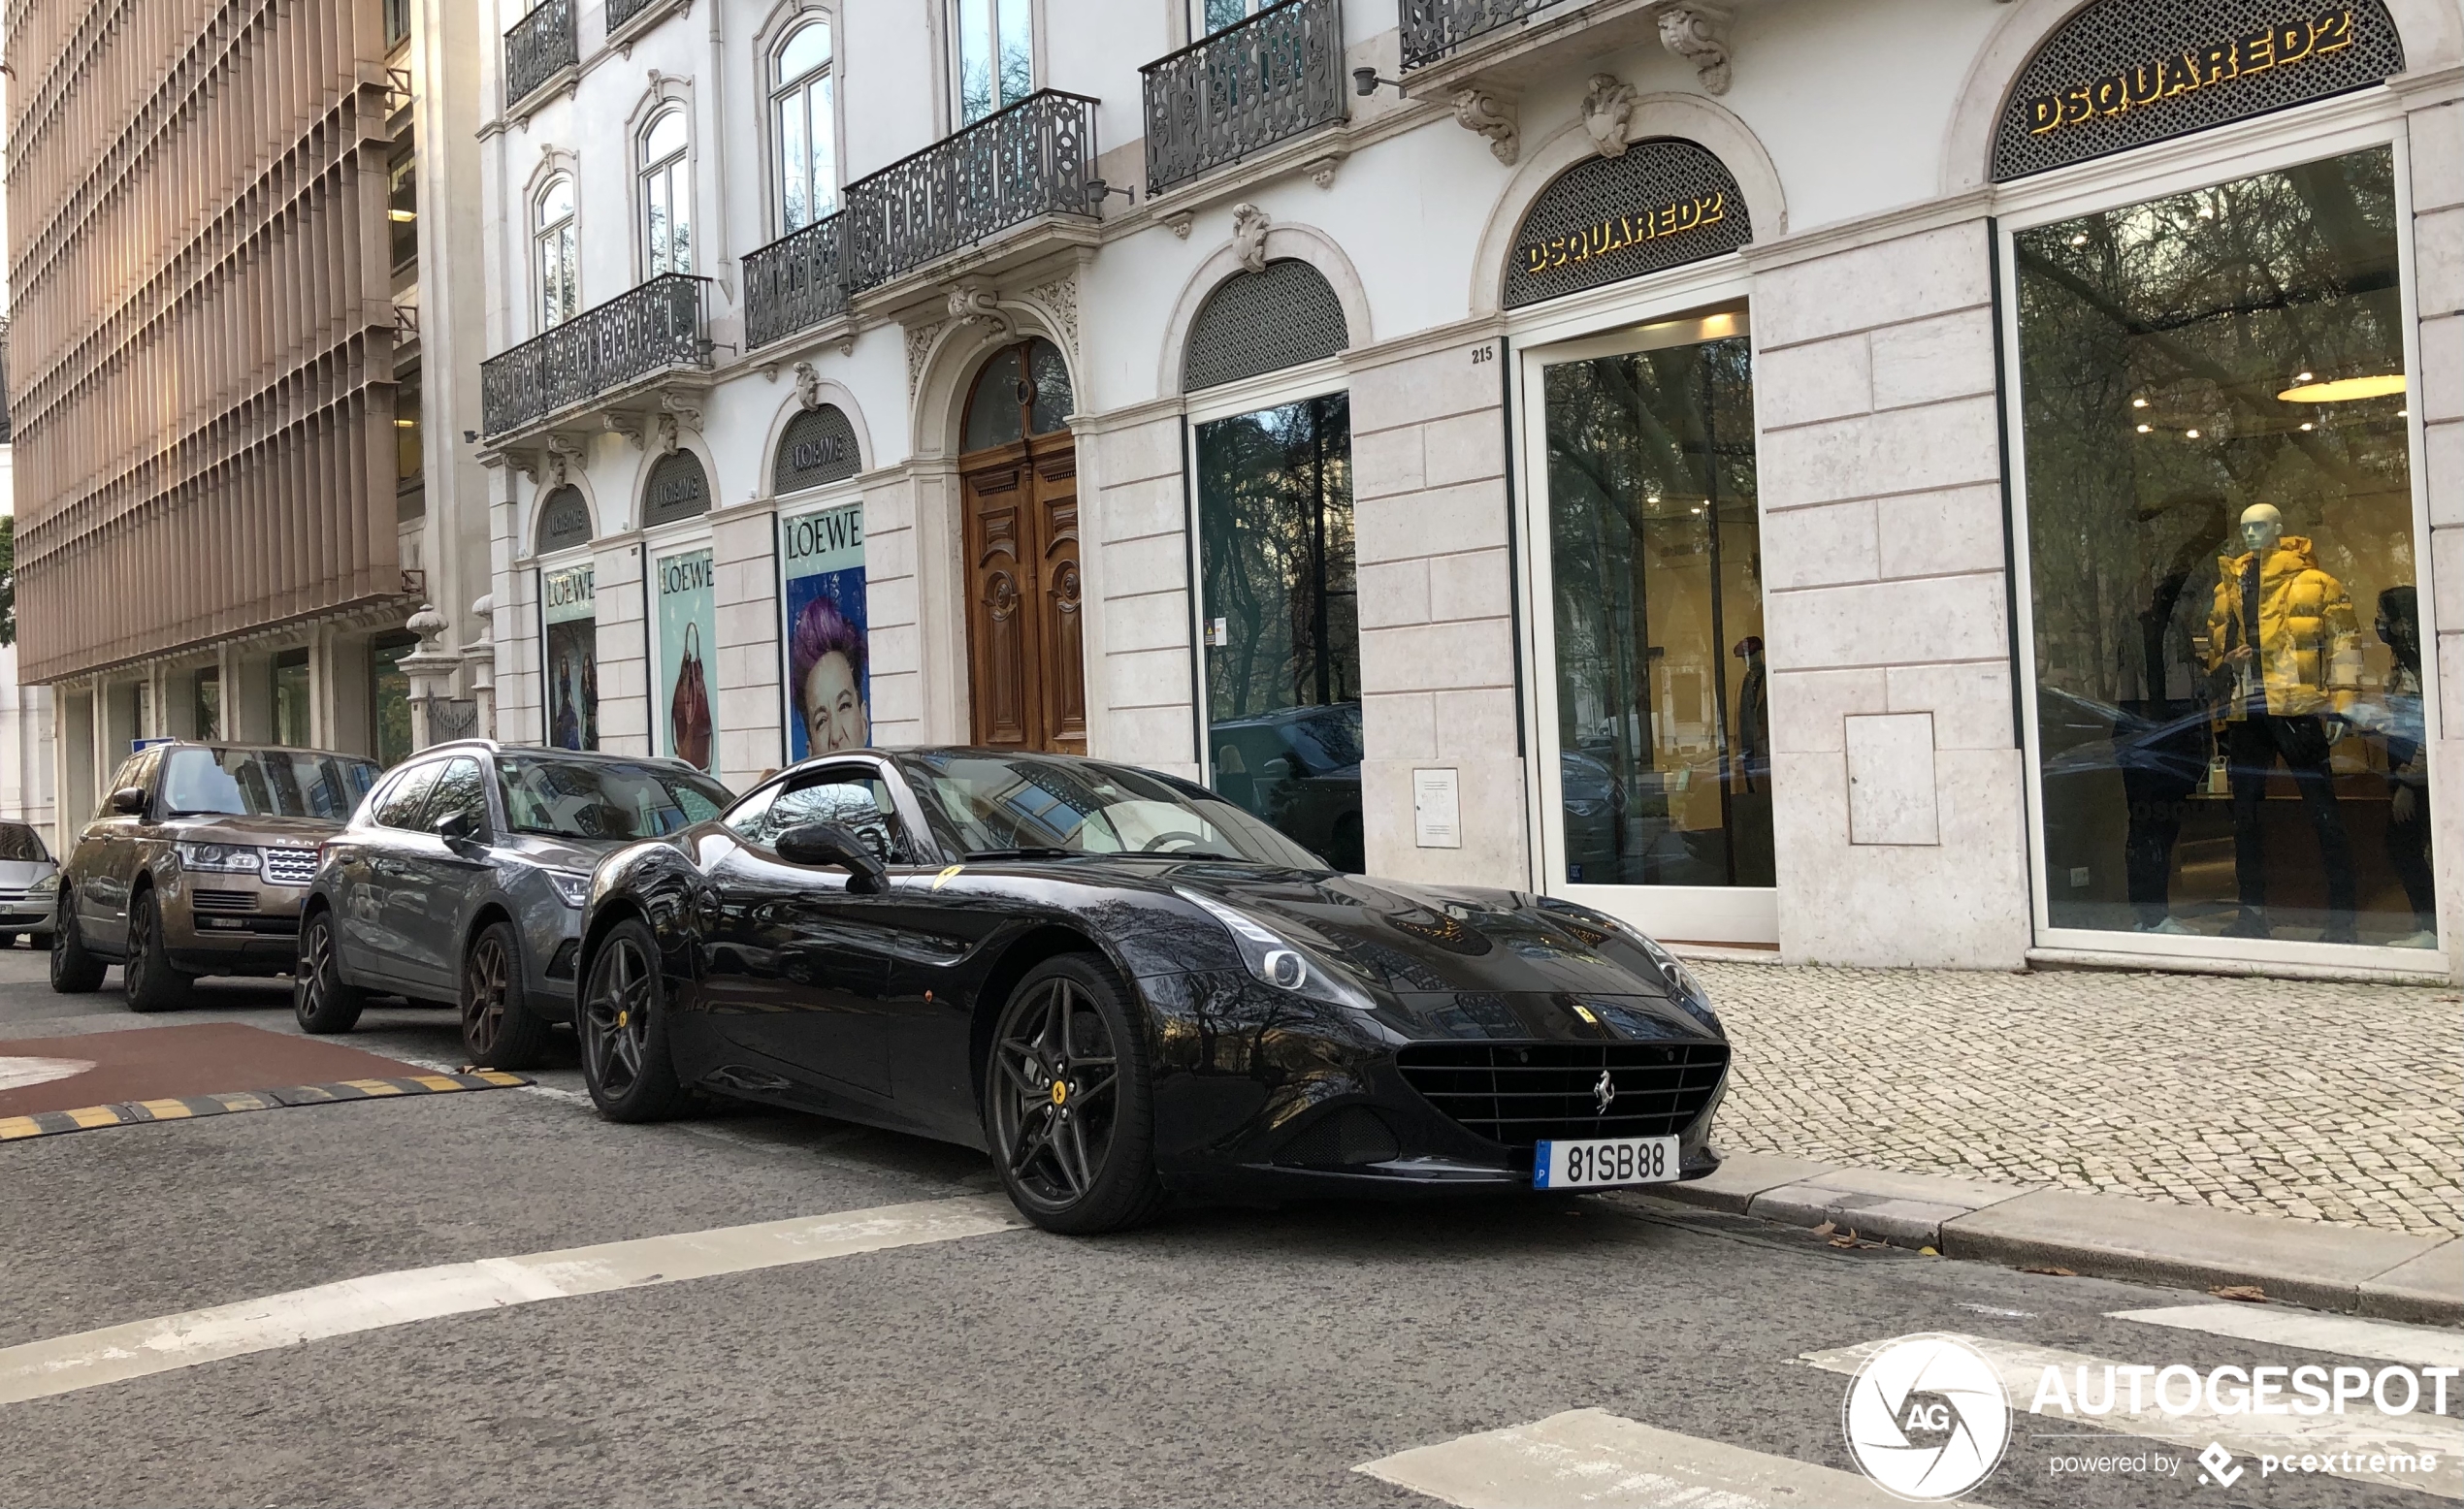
2281	639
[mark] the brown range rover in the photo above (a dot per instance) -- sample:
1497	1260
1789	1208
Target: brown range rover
197	865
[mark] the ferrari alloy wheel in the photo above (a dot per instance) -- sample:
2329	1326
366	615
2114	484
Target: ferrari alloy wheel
320	998
73	971
152	983
623	1020
1067	1100
498	1028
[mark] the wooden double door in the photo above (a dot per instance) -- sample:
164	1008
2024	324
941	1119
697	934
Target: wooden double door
1027	639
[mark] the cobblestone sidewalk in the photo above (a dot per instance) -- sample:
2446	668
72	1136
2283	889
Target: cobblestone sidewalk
2324	1102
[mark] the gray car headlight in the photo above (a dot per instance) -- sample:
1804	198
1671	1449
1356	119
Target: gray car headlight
226	857
1276	960
571	888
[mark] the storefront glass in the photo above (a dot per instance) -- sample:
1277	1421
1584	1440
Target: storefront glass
2219	515
389	696
1282	620
568	614
1656	573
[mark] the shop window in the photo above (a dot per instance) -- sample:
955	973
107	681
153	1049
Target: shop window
1663	766
2220	516
807	141
568	616
995	56
1282	620
389	696
291	699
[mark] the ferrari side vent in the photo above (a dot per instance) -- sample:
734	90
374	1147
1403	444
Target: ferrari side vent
1521	1093
1341	1140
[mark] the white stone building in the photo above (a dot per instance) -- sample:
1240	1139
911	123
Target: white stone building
1932	482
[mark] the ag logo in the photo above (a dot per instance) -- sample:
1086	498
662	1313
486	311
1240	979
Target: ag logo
1926	1418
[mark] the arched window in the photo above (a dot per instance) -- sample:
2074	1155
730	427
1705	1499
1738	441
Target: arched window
552	240
667	195
800	86
995	56
1023	391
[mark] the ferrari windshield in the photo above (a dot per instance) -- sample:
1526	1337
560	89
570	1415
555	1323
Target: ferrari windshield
264	782
1004	804
601	798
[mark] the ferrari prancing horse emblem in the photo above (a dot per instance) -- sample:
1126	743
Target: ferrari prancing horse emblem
1604	1091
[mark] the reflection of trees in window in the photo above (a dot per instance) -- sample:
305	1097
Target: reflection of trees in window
2154	340
1276	520
996	56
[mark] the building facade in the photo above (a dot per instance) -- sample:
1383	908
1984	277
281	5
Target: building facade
1932	482
223	359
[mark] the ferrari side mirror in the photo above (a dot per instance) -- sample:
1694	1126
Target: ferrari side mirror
826	845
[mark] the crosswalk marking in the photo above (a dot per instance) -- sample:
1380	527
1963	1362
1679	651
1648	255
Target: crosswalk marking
1588	1459
2363	1430
63	1364
2415	1346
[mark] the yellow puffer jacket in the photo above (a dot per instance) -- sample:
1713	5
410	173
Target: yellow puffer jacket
2309	645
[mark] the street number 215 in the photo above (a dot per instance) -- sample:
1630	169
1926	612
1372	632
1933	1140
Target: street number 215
1481	354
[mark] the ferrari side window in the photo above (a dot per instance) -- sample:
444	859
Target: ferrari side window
858	802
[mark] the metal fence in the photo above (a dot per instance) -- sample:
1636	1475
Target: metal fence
1434	28
539	45
660	324
1035	158
619	12
1273	77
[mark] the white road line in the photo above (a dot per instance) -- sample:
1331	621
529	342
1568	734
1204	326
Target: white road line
2419	1346
63	1364
1588	1459
2360	1428
16	1074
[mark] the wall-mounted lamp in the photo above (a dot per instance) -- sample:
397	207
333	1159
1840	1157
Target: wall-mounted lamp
1097	191
1365	82
470	438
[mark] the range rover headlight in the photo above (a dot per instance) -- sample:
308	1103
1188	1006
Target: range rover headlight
226	857
1276	960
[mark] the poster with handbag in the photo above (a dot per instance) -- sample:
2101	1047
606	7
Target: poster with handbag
687	705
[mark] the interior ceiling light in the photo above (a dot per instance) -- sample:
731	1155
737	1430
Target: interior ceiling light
2343	390
2301	376
2307	425
2144	428
2138	403
2192	434
2080	239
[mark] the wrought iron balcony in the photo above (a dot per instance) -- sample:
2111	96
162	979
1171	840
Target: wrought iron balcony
659	326
1032	159
796	283
1273	77
1434	28
620	12
538	48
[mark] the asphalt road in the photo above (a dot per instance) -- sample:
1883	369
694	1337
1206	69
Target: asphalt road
1234	1356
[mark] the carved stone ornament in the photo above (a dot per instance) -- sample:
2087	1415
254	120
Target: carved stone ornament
975	305
564	459
1059	298
429	626
1606	108
618	422
1700	35
1477	110
1180	224
919	339
684	406
808	386
1249	237
664	434
1321	170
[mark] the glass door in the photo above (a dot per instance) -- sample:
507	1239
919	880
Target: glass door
1656	773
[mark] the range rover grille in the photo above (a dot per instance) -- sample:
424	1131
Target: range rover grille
290	866
204	900
1522	1093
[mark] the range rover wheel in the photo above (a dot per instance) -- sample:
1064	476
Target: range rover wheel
320	998
1066	1102
152	985
498	1028
622	1021
73	971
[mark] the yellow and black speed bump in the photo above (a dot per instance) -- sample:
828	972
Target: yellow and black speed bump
187	1106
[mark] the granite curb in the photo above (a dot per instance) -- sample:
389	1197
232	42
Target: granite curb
2353	1270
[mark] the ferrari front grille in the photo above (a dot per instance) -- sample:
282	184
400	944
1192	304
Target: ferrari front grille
1522	1093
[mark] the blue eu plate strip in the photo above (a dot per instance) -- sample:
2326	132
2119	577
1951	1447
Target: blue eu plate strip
1539	1165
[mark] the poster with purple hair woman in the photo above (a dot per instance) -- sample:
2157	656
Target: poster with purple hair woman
830	690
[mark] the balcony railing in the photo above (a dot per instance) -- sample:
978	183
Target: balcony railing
1035	158
619	12
662	324
796	281
1434	28
539	45
1273	77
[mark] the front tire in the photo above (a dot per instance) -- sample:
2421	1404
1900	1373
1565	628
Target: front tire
73	971
148	975
622	1021
1067	1106
498	1028
320	998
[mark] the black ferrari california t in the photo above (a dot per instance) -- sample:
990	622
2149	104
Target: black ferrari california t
1120	984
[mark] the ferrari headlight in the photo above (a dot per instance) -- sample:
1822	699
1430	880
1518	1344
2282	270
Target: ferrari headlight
1276	960
571	888
226	857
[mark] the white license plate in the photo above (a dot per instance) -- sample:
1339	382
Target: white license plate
1600	1162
